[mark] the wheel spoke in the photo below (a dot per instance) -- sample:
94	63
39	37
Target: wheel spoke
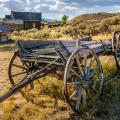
90	65
73	94
19	74
94	71
79	99
19	66
75	83
76	74
84	96
85	60
88	92
79	66
94	87
94	84
91	62
25	76
27	65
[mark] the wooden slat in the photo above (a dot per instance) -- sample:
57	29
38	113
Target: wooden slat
48	56
43	61
49	47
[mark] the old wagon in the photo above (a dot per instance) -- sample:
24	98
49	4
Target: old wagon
83	74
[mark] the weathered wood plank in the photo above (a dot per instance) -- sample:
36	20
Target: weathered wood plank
47	47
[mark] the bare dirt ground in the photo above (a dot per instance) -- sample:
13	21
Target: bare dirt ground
4	61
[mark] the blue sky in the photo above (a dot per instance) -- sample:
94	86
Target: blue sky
55	9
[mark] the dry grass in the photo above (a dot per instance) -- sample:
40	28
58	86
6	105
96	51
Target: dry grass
59	33
103	37
44	34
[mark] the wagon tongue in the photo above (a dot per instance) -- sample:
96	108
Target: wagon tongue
22	84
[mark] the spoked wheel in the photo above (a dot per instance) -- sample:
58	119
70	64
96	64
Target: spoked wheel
19	70
83	80
116	47
117	58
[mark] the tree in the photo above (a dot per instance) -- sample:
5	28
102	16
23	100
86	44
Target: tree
64	20
54	20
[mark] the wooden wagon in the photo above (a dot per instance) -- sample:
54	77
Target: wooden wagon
76	62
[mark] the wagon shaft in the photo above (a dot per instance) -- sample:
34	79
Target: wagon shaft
23	83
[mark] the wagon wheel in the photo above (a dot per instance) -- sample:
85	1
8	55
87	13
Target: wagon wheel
83	80
116	47
19	70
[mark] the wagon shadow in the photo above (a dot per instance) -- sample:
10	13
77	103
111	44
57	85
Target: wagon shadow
99	115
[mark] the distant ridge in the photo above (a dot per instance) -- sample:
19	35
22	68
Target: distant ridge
93	16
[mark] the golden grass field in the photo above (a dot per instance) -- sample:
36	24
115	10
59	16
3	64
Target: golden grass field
48	106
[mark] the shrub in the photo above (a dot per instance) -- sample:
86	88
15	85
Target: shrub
15	33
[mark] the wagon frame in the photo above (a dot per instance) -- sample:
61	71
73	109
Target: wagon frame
83	73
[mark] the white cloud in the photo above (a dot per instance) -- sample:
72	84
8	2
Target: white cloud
93	0
28	2
61	6
4	10
41	8
28	9
117	7
3	1
70	8
19	1
37	1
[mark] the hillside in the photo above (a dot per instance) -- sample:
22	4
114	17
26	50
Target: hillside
96	23
94	16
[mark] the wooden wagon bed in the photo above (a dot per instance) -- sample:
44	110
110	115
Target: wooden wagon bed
70	46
